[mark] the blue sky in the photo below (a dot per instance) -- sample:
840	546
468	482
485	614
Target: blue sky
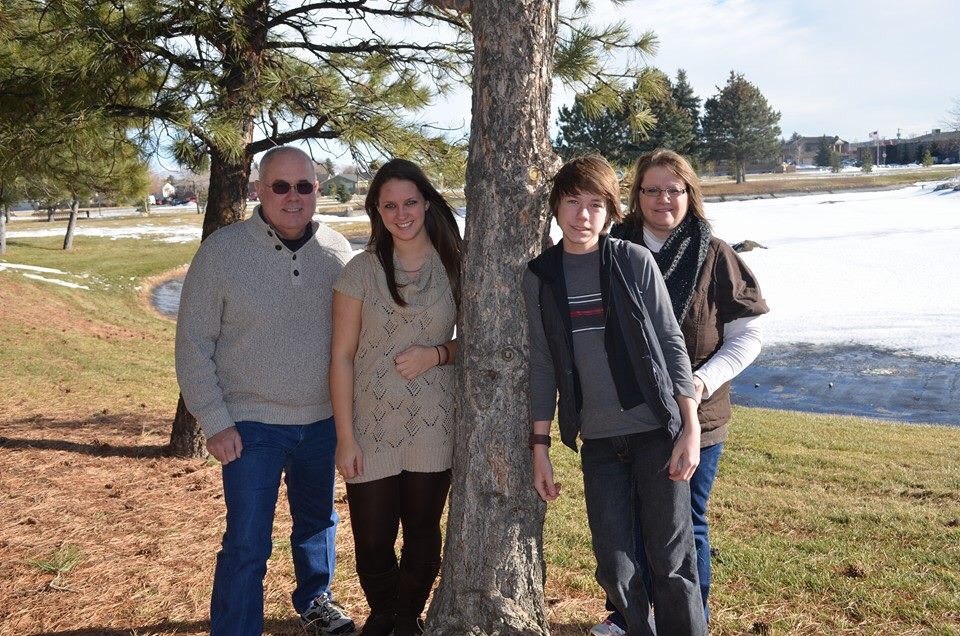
844	67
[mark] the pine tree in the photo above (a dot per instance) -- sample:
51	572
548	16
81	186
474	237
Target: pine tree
824	148
740	126
835	164
607	134
610	134
685	98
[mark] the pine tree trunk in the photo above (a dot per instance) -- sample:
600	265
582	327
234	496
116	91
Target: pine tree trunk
227	197
72	223
186	438
226	204
3	228
492	581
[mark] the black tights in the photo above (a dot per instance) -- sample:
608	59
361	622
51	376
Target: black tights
378	508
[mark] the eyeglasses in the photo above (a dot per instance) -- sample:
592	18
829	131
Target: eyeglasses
655	192
282	187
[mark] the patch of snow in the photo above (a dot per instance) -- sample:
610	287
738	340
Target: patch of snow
56	281
31	268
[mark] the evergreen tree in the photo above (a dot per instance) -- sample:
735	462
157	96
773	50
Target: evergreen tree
866	160
927	160
740	126
835	165
824	148
610	134
685	98
607	134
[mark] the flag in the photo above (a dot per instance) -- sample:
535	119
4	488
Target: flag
875	135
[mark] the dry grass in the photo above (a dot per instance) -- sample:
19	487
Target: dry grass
145	528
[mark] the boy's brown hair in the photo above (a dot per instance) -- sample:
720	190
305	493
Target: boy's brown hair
589	174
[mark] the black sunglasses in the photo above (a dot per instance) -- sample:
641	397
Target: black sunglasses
282	187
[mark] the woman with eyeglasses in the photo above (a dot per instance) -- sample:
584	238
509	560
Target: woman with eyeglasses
716	300
394	311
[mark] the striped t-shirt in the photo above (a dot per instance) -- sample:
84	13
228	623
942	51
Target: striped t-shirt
601	415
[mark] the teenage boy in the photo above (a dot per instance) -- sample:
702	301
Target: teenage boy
604	337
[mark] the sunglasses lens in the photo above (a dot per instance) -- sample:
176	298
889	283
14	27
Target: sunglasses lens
282	187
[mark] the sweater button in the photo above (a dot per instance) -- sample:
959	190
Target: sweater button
269	233
294	257
296	272
278	248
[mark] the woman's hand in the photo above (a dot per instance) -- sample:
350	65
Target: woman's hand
416	359
699	388
543	474
349	459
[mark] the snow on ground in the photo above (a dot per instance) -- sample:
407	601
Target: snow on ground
30	268
56	281
878	268
181	233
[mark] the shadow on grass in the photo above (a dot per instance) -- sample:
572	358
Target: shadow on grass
99	449
270	628
92	430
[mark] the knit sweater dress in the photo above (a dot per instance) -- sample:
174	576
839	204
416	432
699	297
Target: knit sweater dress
399	424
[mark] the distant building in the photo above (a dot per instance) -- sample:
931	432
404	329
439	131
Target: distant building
802	151
341	181
944	147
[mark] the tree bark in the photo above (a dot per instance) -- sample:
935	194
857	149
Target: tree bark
492	582
72	223
3	228
186	438
227	197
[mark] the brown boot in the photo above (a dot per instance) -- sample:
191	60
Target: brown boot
416	581
381	592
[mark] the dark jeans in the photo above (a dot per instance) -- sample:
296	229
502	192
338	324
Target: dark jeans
700	486
251	483
625	478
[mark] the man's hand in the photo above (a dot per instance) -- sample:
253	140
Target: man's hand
225	445
543	474
685	457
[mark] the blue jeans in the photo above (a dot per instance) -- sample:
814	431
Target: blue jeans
251	483
628	474
700	486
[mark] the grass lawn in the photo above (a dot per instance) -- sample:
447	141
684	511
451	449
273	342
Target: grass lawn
821	525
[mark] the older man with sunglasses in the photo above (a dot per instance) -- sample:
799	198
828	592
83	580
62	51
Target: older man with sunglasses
252	356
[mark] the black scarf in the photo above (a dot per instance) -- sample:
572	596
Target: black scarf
680	259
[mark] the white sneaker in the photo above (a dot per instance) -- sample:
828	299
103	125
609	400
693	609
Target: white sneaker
607	628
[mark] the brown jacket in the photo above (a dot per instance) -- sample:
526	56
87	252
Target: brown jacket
726	290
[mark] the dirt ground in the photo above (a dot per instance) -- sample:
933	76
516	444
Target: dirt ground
100	535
